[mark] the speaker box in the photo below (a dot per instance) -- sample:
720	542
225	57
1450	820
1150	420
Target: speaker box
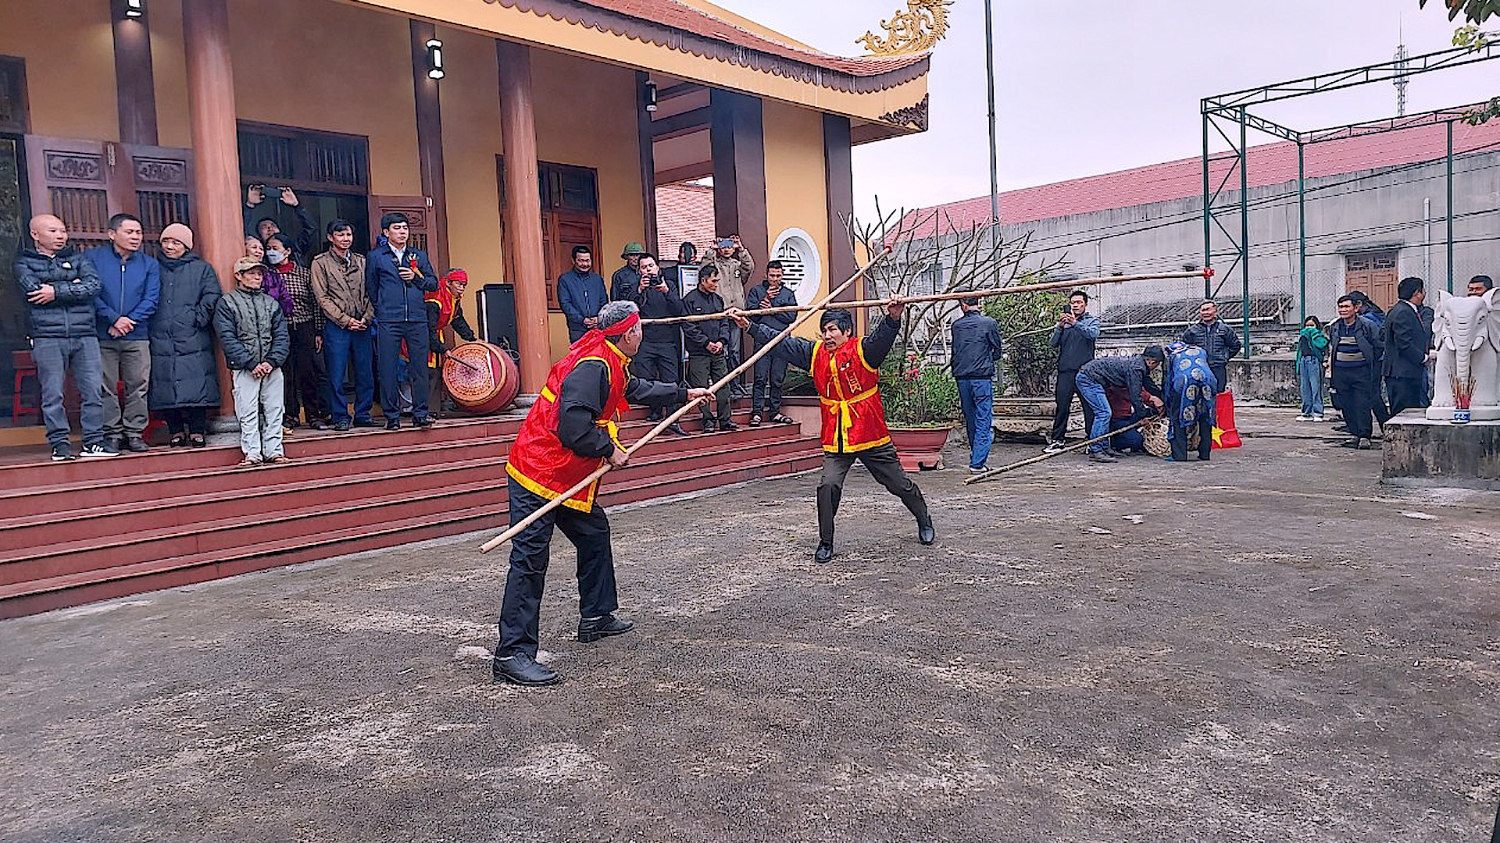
497	317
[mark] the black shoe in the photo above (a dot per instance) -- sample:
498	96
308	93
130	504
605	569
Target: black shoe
592	629
675	429
521	669
61	452
824	553
318	424
341	426
1101	456
392	424
137	445
1341	428
710	427
1349	443
925	533
366	423
424	422
728	426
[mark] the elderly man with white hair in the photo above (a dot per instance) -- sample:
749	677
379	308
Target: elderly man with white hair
568	434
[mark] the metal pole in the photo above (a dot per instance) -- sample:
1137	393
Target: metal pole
1449	226
989	63
1208	252
1301	237
1244	237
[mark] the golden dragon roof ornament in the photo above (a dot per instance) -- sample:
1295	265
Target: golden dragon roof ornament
913	31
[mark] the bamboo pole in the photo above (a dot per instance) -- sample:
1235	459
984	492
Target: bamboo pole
681	411
961	294
979	478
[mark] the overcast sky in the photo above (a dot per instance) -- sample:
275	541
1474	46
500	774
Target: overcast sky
1092	86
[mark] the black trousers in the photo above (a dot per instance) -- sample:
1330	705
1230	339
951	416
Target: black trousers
657	361
1178	437
388	359
770	374
306	376
1356	391
1405	393
884	465
520	611
1067	387
185	419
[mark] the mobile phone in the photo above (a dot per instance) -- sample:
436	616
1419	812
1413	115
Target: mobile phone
1065	308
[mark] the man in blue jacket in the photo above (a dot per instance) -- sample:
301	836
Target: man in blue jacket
396	277
60	287
129	288
976	347
581	293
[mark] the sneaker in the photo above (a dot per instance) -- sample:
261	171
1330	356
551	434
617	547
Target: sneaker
1100	456
62	453
1053	447
94	451
341	427
979	470
1318	417
1303	417
424	422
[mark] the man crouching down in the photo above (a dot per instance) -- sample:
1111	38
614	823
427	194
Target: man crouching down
570	432
846	371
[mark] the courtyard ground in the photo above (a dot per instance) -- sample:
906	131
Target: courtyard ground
1269	647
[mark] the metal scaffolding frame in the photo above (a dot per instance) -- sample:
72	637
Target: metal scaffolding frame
1228	116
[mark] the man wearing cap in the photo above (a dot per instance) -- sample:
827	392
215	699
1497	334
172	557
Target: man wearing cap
625	284
253	330
846	371
735	267
568	434
581	293
1132	372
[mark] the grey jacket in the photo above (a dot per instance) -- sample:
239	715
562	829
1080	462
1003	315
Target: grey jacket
75	285
1218	341
252	329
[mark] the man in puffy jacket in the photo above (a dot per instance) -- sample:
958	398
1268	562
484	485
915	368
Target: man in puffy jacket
253	330
129	289
60	287
397	277
1218	341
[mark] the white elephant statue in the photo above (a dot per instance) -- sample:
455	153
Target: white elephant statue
1466	334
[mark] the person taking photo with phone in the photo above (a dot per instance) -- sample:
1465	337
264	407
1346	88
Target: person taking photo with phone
1074	339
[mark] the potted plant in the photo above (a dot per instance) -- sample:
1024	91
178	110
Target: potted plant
921	408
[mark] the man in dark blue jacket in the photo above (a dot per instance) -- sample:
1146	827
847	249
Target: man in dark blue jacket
60	287
1132	372
976	347
396	277
1406	338
580	294
1218	341
129	289
770	371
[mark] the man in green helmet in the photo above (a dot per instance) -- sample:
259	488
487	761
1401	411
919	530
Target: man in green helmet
625	284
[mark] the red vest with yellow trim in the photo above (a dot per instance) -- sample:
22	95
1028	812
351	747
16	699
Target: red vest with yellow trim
539	461
849	397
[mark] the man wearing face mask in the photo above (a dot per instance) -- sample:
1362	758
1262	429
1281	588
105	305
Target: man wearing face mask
304	374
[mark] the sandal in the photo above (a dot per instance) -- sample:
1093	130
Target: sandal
782	418
178	440
247	463
198	440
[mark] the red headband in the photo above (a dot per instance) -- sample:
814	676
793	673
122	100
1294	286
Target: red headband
619	329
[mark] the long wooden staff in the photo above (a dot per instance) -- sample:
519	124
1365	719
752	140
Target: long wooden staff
681	411
979	478
961	294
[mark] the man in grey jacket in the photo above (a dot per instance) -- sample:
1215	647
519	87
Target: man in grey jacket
256	343
1218	340
60	286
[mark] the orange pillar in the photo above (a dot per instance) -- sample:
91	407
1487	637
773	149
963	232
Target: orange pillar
523	212
218	229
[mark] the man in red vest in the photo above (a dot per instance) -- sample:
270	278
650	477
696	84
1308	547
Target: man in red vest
569	432
846	371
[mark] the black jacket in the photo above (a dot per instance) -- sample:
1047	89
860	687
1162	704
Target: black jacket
1405	339
1218	341
584	392
625	283
75	285
657	304
458	323
784	298
699	334
184	370
976	346
1130	372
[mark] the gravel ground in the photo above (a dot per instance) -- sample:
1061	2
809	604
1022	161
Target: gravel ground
1269	647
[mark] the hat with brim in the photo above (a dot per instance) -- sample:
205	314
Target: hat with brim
246	264
634	247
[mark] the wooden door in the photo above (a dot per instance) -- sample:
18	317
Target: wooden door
161	187
86	182
1374	274
561	231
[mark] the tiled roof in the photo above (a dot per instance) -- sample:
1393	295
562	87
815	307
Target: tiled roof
1269	164
684	214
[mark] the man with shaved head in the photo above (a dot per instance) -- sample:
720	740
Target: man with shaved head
60	287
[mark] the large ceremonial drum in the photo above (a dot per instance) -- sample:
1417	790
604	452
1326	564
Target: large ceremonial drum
482	378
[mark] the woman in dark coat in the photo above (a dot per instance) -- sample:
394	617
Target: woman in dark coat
184	370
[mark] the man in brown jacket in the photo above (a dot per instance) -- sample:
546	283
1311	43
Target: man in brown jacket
338	282
735	268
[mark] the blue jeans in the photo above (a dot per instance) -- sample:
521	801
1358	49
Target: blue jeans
1310	381
1093	392
978	398
54	357
341	345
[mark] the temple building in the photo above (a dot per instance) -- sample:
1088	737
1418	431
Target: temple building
509	131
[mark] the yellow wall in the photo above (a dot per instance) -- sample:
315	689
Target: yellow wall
796	186
70	65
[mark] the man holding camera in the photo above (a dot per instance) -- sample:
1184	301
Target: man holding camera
1074	339
660	357
397	276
